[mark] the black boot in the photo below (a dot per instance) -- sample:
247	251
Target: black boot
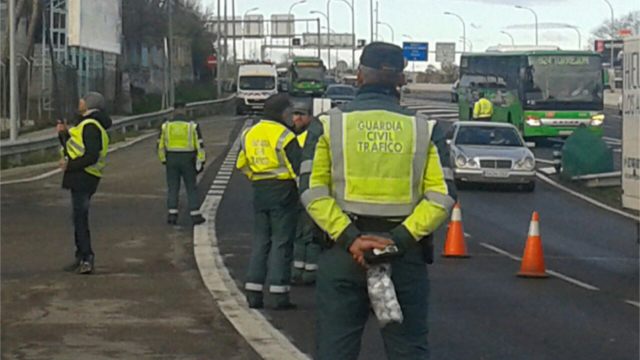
198	219
86	266
172	219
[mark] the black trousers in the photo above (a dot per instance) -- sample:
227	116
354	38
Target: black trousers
80	202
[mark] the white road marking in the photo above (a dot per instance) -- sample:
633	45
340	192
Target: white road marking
548	170
220	182
467	235
218	187
225	172
550	272
586	198
633	303
266	340
617	150
215	192
612	140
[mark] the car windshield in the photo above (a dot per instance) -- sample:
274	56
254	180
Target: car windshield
341	90
488	136
257	83
556	80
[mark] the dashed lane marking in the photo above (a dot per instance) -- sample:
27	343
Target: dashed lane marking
633	303
267	341
550	272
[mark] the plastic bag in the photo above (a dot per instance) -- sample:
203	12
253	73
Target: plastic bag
382	295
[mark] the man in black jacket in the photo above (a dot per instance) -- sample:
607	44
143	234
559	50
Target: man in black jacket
85	147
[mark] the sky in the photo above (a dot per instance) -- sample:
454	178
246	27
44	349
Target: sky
424	20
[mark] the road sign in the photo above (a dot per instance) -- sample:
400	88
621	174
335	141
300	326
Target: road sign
415	51
210	62
446	53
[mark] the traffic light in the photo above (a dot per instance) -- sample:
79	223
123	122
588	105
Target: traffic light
296	42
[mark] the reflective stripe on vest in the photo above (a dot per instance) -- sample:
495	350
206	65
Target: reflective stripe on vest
75	146
264	146
302	138
179	136
378	161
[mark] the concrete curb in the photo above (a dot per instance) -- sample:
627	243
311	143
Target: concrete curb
586	198
267	341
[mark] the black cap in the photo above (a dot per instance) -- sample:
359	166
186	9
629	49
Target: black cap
300	107
383	56
179	105
276	105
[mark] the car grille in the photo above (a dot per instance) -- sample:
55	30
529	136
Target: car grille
495	164
255	101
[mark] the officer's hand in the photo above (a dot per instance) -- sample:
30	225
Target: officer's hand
366	242
60	126
62	164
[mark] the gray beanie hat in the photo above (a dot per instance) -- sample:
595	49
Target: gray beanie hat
94	101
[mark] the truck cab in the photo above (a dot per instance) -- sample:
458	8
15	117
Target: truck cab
255	83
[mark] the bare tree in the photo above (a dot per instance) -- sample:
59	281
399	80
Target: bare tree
607	30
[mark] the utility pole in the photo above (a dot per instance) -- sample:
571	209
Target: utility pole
233	15
377	17
172	91
13	78
328	35
613	36
371	15
219	56
226	43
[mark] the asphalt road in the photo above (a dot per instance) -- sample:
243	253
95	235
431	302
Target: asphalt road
479	309
145	300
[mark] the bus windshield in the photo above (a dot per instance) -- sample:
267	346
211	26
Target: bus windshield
556	80
309	73
257	83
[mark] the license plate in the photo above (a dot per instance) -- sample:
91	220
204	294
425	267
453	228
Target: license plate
565	132
496	174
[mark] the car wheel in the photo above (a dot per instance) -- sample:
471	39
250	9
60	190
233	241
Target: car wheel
529	187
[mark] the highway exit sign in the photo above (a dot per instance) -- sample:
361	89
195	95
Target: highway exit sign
415	51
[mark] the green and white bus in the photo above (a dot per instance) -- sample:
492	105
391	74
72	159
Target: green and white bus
306	77
542	93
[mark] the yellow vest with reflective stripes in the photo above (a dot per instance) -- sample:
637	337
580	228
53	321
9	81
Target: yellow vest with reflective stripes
483	108
378	161
75	146
302	138
264	145
180	136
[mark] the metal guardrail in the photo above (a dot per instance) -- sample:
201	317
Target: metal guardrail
21	147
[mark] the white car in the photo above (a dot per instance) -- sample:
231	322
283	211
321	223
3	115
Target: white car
489	152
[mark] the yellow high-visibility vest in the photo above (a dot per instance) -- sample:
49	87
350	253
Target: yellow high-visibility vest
263	155
483	108
180	136
379	160
75	147
302	138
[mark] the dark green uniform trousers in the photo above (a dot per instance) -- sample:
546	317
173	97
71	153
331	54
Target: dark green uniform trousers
182	166
306	251
343	306
275	231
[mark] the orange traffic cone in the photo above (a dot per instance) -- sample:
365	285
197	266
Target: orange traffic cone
532	262
454	245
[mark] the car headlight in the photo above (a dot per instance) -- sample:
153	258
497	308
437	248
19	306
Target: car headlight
597	120
461	161
533	121
472	163
527	163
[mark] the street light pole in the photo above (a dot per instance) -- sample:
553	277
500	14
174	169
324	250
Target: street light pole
244	17
464	30
233	16
328	16
294	25
13	78
513	43
218	56
467	41
353	31
579	36
534	15
371	14
390	28
319	42
613	32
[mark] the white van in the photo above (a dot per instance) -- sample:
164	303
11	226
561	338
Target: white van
256	82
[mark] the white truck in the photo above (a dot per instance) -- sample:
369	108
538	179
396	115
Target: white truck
255	83
631	124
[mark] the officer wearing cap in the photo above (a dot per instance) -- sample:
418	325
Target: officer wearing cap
372	176
270	158
306	250
181	150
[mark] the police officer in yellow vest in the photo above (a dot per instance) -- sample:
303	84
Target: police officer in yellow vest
181	150
482	109
270	157
83	160
371	176
306	250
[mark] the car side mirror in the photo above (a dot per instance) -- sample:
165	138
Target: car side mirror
530	144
